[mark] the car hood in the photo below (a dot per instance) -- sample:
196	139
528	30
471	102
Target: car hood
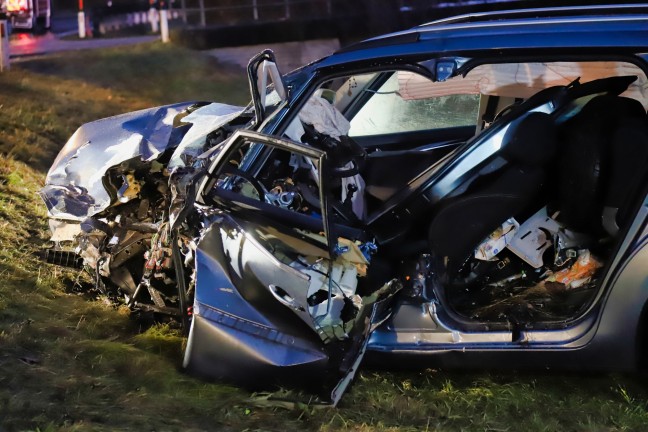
75	184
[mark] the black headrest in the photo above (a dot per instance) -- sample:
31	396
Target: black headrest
610	108
530	140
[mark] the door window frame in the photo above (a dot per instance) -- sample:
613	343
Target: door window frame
218	165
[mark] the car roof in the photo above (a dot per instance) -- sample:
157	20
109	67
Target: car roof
535	13
612	28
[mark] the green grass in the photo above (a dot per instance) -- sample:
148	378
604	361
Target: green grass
43	100
72	361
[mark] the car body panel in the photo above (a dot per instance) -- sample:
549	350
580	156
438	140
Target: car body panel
229	329
533	36
608	338
75	187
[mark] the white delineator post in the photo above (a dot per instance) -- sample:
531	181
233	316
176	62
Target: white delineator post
255	10
164	25
287	6
4	46
81	22
153	19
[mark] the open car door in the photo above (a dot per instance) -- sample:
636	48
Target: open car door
266	84
276	293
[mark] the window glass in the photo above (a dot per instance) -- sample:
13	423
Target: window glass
388	112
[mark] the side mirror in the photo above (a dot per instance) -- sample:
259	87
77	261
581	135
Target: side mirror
266	84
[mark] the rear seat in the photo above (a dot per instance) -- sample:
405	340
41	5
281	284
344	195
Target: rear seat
603	155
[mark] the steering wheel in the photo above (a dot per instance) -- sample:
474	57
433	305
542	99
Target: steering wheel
346	157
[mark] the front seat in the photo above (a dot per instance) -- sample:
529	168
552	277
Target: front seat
465	220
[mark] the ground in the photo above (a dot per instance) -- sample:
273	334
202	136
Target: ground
70	360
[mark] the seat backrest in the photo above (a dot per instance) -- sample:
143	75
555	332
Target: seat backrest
628	166
466	219
594	148
531	140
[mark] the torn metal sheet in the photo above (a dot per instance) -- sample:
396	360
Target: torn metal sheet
203	121
74	187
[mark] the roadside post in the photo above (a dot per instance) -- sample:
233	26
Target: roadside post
183	7
4	45
287	9
164	22
201	6
153	17
81	21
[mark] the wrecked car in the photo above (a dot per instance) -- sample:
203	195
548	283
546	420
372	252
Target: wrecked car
468	193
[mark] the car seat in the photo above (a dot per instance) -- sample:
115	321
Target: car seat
489	200
603	153
628	167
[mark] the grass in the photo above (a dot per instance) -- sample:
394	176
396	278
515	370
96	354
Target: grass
72	361
43	100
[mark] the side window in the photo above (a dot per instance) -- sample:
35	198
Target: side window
392	110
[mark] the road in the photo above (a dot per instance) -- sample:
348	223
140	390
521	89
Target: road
290	55
28	45
64	24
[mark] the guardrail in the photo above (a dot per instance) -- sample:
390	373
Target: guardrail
253	10
117	22
232	12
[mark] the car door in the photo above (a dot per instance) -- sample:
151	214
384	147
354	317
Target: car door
275	284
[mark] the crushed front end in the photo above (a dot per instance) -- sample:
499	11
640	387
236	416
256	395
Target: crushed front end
263	301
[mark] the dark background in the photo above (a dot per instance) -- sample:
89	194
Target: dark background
231	22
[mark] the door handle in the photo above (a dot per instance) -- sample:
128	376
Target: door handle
284	298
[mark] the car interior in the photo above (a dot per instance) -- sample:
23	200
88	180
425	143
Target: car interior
574	180
564	186
525	234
